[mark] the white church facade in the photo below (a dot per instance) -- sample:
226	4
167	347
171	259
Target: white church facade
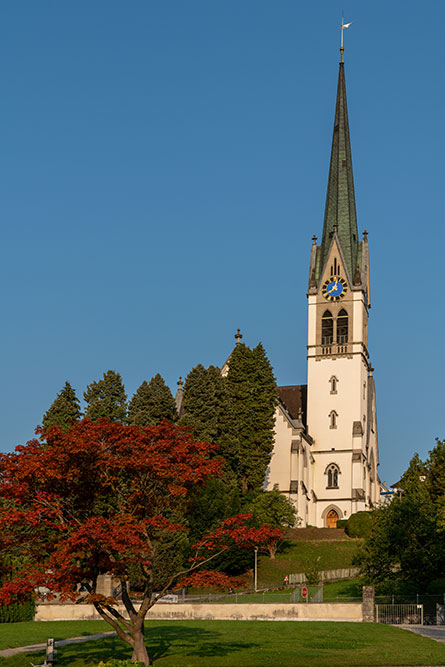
325	453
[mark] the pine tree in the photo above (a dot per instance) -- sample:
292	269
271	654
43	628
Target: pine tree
253	398
107	398
207	410
152	403
65	409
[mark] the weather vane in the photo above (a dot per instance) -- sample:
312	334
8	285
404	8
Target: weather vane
342	27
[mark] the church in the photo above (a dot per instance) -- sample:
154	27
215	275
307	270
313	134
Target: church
325	454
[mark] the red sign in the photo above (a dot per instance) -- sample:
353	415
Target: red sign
304	592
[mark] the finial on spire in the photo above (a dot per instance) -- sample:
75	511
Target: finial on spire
314	240
342	27
365	234
238	337
180	382
336	227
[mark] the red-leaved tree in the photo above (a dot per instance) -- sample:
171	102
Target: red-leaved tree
107	498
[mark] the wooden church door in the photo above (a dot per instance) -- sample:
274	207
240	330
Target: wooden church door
332	519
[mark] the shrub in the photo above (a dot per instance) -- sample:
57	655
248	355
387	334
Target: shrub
17	611
359	525
341	523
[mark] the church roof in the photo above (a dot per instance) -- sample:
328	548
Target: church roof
340	214
294	399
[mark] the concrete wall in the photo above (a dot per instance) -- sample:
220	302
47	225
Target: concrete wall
234	612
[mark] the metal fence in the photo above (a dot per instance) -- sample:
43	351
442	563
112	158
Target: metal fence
399	614
291	595
432	604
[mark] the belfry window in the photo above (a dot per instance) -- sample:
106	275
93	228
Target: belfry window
327	328
332	472
342	327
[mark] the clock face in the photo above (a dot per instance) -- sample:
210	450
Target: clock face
334	288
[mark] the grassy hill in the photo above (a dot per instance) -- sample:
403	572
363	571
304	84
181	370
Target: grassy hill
302	548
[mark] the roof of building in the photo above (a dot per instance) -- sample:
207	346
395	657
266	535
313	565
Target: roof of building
340	214
294	399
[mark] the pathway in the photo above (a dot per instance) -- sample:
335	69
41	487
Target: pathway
436	632
7	653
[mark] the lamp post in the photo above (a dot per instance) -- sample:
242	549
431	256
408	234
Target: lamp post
256	568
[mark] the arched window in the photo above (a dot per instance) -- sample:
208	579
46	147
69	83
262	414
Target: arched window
334	383
332	472
327	328
342	327
333	419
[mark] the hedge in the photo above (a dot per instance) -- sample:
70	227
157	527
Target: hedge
359	524
18	611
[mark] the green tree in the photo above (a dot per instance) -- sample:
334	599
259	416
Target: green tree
275	510
107	398
65	409
152	403
406	541
207	410
253	397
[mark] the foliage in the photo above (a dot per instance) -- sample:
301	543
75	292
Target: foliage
65	409
406	541
152	403
358	525
17	611
341	523
102	497
274	509
107	398
207	410
312	571
253	398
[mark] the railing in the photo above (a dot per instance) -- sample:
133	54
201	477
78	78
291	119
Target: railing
399	614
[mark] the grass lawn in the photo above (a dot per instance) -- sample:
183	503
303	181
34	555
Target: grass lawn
259	643
296	557
21	634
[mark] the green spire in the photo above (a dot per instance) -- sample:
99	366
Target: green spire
340	211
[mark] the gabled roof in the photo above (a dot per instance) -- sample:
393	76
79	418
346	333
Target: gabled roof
294	399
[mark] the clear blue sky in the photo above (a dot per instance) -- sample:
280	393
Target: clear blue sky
163	169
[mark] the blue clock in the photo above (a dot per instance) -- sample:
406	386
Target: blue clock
334	288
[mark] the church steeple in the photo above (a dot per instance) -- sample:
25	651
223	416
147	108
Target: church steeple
340	214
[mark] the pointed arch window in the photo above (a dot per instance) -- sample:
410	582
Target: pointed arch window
342	327
332	471
334	384
333	419
327	328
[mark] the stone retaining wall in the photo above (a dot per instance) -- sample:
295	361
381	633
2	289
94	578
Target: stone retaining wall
269	612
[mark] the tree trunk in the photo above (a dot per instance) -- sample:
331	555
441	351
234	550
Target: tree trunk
139	651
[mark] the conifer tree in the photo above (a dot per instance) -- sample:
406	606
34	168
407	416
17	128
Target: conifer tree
65	409
107	398
207	410
152	403
253	398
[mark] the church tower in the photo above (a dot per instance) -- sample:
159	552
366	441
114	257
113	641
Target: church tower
341	415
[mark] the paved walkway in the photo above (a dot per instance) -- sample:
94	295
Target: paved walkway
7	653
436	632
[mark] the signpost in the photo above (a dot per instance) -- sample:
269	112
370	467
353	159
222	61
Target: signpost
304	593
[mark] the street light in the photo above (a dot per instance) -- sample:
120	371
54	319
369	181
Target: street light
256	568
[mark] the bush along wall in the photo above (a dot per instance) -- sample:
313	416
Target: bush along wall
359	525
17	611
